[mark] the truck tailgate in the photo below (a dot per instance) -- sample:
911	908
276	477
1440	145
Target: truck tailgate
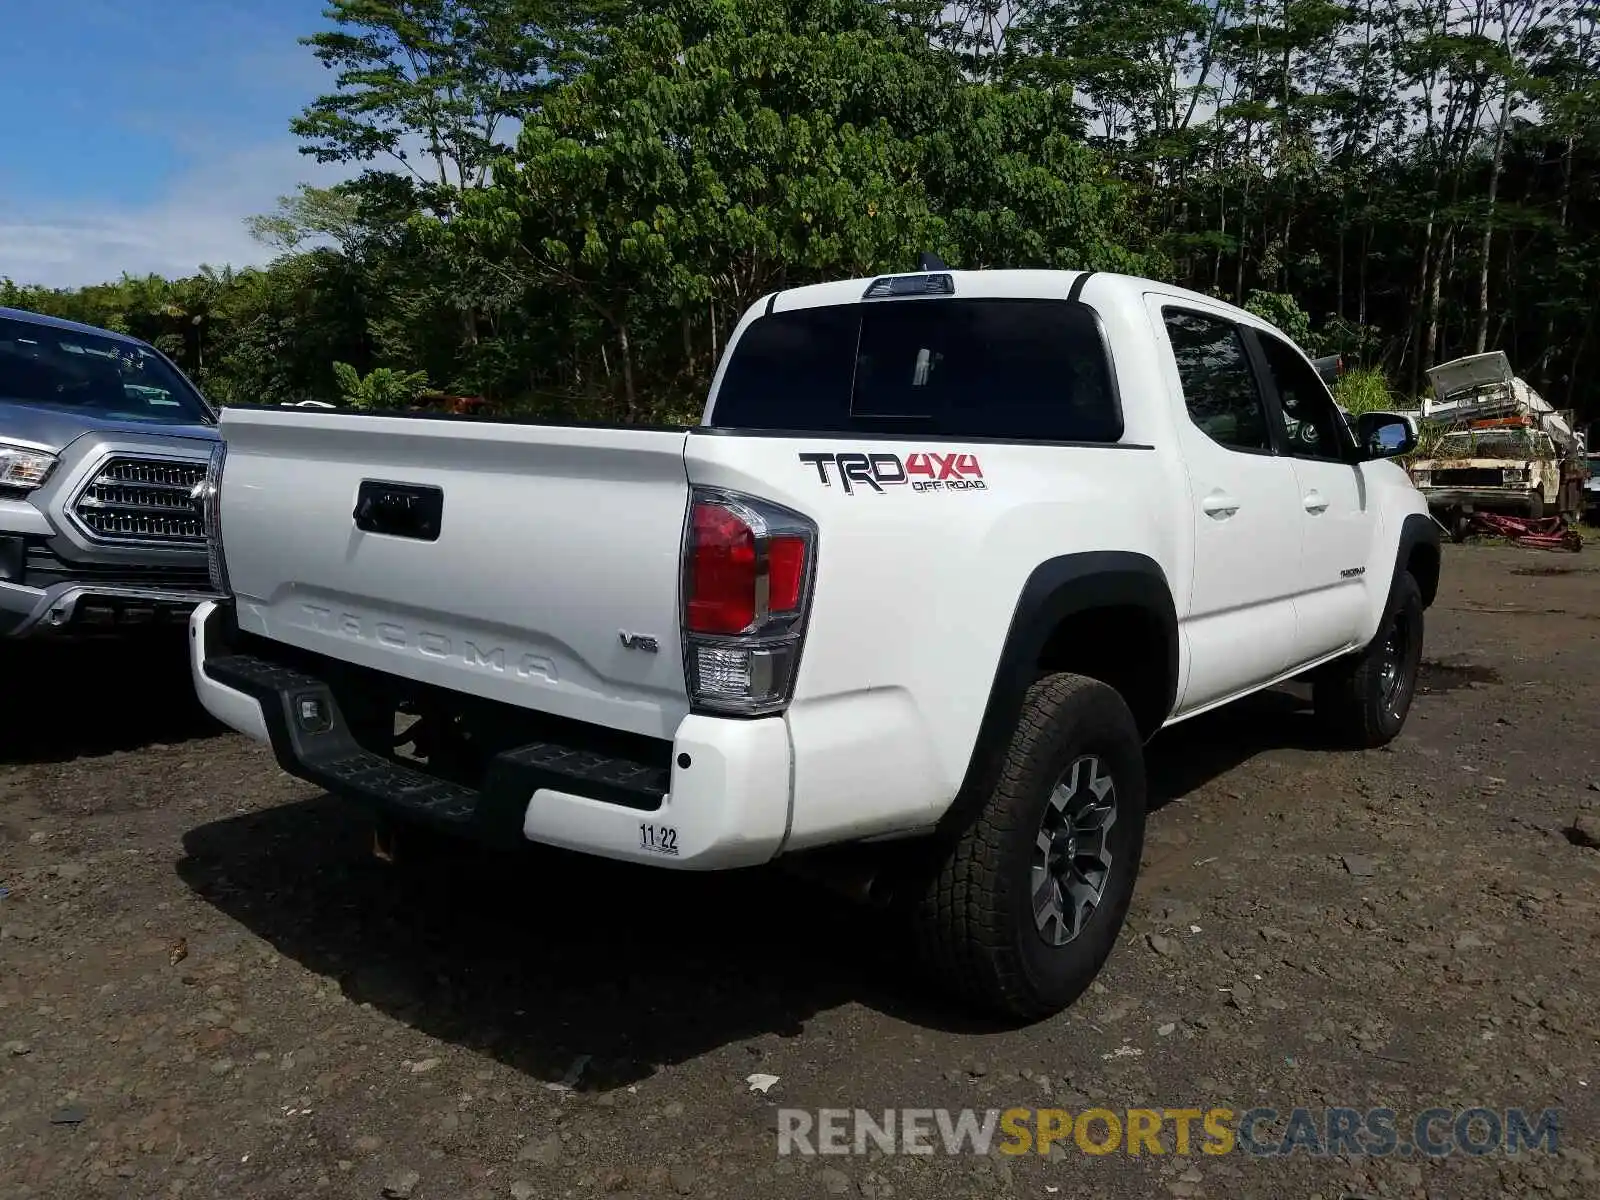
552	564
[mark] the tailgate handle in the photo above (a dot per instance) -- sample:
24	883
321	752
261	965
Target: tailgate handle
407	510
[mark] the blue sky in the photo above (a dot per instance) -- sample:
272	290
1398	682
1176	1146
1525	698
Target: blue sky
140	133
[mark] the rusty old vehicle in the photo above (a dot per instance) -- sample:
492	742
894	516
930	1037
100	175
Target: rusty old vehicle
1495	445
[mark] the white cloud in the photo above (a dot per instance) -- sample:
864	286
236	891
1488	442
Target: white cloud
199	218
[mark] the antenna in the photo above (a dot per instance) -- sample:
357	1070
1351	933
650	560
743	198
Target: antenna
927	261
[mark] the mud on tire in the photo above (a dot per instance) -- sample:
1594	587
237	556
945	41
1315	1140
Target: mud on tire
976	910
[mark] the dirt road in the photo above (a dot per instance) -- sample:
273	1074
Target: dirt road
209	988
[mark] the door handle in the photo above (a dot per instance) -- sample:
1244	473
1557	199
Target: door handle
1315	503
1220	505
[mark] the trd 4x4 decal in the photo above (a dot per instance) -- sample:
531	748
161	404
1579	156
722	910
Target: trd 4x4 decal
922	472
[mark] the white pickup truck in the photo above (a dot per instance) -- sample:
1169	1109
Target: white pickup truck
946	550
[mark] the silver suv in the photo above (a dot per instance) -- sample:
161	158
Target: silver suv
103	451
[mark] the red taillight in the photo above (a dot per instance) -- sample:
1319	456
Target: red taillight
722	571
786	572
746	588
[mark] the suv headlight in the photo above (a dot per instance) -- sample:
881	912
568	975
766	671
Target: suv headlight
1514	474
24	469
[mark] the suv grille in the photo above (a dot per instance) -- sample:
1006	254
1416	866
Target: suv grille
143	500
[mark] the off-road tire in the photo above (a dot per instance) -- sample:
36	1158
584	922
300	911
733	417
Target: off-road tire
1535	506
1353	703
972	910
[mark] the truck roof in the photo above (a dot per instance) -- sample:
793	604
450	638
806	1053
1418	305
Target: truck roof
33	318
1008	283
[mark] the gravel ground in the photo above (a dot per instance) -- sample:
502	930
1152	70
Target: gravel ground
208	987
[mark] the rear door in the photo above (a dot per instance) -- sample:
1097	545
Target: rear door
1332	503
1243	504
533	564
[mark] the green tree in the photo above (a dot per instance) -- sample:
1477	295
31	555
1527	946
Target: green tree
1284	312
727	150
565	209
334	214
431	87
380	388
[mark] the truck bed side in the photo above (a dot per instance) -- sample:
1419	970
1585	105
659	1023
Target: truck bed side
915	595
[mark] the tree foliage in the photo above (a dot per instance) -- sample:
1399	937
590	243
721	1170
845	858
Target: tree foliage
565	207
382	387
432	86
722	151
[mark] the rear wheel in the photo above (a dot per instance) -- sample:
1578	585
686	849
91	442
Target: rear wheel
1363	700
1022	909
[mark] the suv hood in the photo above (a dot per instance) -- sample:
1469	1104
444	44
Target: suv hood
55	429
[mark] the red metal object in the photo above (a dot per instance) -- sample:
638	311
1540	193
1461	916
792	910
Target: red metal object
444	401
1547	533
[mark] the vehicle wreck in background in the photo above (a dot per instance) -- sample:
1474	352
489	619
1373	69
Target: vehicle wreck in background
102	445
1498	447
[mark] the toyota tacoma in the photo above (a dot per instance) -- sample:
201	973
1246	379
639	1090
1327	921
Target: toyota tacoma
946	550
103	445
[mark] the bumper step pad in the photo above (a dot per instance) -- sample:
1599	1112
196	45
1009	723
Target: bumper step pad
324	752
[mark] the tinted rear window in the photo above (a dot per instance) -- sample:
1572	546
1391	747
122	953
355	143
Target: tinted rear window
1029	370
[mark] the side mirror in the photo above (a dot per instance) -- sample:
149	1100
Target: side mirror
1385	435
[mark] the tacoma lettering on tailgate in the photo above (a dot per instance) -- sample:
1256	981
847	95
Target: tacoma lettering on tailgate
427	644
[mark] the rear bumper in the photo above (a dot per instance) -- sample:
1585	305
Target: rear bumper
719	798
71	609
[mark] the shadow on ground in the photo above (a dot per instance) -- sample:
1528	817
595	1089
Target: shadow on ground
538	959
96	697
1194	752
541	957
